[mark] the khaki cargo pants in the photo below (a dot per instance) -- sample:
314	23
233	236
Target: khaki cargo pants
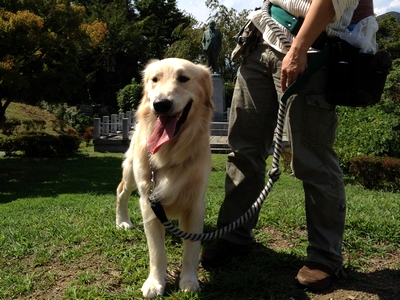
312	124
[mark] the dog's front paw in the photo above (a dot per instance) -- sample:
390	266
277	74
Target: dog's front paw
189	285
125	225
152	288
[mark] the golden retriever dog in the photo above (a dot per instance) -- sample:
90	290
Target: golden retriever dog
171	139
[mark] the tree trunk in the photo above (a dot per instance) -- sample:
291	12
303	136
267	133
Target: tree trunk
3	108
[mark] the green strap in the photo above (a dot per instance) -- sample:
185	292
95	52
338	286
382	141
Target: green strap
286	19
303	78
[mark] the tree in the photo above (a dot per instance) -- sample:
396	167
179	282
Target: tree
388	35
186	45
392	85
388	39
158	19
139	30
40	42
116	60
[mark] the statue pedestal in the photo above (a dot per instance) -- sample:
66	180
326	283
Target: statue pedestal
218	98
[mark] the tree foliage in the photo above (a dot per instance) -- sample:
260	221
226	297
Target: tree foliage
40	43
388	35
158	19
139	30
188	42
129	97
372	131
388	39
111	65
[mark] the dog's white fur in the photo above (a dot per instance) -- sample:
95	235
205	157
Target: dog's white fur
182	166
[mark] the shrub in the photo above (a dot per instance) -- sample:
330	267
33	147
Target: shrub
10	126
376	172
228	89
129	96
74	118
58	125
72	132
41	145
88	135
14	126
34	125
78	120
371	131
8	145
392	86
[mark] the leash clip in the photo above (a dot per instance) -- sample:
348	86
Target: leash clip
153	182
152	198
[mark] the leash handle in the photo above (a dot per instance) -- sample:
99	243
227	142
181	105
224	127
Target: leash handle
315	65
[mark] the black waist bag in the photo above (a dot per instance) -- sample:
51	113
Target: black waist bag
355	79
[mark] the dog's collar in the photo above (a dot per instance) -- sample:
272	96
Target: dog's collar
154	202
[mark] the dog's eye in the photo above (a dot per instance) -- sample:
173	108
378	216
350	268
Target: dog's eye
183	78
154	79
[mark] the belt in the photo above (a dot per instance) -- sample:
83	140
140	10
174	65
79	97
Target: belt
293	24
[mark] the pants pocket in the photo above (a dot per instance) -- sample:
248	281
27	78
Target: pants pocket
319	122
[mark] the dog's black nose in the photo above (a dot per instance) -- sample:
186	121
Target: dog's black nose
162	105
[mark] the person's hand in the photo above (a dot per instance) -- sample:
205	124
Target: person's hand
318	17
293	65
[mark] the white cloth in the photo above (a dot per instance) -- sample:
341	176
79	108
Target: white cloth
278	37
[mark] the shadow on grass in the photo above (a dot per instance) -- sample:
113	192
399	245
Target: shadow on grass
269	274
264	274
22	177
383	283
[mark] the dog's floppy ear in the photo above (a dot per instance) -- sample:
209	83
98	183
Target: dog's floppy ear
145	73
208	86
145	79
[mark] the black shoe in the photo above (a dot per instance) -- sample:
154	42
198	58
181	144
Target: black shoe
221	252
315	276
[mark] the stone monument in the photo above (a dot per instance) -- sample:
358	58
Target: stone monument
218	98
212	44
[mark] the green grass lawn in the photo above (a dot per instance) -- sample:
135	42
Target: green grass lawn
58	238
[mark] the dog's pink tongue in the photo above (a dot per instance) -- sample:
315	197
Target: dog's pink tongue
163	132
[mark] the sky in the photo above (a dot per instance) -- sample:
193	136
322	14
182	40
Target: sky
199	10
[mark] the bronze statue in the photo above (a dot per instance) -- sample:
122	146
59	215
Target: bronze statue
212	43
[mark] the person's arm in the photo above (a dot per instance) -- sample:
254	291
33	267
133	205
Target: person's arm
319	15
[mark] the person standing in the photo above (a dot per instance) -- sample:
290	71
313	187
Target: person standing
212	44
275	63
